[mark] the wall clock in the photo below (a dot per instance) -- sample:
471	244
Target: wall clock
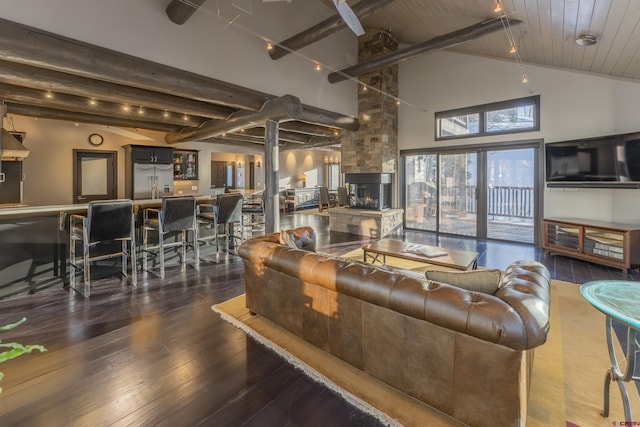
96	139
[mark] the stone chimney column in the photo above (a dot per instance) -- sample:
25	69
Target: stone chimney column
374	147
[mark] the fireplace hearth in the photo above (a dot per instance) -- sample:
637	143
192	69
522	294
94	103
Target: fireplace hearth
369	190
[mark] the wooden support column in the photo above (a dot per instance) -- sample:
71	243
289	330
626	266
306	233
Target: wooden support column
271	179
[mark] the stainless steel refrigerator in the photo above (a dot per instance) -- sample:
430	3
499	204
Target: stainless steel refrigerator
152	180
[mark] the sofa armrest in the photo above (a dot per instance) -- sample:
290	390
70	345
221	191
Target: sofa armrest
525	286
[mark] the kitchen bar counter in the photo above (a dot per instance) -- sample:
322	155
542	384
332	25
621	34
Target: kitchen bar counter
9	211
34	244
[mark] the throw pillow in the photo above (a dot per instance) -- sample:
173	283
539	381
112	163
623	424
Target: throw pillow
485	281
287	238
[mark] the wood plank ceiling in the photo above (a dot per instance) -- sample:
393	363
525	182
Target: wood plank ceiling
546	37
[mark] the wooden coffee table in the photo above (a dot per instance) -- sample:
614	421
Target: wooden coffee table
378	252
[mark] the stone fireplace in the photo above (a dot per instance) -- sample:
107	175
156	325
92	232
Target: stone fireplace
369	190
370	155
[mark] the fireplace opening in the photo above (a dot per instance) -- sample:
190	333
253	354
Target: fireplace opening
369	190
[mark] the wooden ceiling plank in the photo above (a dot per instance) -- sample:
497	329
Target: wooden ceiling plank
525	33
628	59
569	33
546	39
625	45
583	21
599	15
610	31
557	33
534	34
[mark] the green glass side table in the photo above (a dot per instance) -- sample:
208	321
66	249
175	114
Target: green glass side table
618	300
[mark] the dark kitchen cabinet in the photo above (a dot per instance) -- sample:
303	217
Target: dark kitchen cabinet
10	182
146	154
185	165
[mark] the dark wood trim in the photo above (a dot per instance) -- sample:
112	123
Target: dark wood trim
112	174
483	108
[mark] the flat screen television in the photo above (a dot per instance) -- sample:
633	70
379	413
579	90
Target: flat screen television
602	162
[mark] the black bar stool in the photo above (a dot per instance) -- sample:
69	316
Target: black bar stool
106	222
177	216
225	214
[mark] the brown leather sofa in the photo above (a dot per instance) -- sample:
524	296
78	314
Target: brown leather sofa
466	353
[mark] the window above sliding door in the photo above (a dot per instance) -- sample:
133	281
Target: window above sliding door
505	117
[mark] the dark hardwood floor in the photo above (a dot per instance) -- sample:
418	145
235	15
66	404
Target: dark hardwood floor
158	355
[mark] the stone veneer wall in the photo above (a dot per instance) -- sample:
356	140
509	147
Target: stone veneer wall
364	222
374	148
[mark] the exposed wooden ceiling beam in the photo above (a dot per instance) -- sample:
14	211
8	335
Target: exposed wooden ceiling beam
323	29
444	41
310	129
71	103
328	118
286	107
37	60
50	113
180	11
31	46
258	133
313	143
40	78
233	142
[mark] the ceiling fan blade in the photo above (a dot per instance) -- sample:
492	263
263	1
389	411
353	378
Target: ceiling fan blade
349	18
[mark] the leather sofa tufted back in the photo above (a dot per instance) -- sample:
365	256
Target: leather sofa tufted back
468	354
517	316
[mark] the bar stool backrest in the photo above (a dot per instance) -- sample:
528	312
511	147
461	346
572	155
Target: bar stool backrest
178	213
343	196
324	195
229	208
109	220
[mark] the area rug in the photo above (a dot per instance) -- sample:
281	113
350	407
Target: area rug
566	385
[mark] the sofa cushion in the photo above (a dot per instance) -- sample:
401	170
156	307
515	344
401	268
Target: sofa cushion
288	240
485	281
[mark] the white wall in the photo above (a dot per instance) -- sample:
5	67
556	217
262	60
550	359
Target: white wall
298	164
573	105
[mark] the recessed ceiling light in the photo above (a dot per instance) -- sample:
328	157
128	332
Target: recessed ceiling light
586	40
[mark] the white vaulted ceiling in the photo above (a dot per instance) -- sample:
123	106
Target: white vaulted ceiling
546	36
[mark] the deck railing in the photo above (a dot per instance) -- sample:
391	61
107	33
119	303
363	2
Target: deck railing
502	202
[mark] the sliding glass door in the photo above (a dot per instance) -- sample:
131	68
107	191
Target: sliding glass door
511	201
457	195
486	192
